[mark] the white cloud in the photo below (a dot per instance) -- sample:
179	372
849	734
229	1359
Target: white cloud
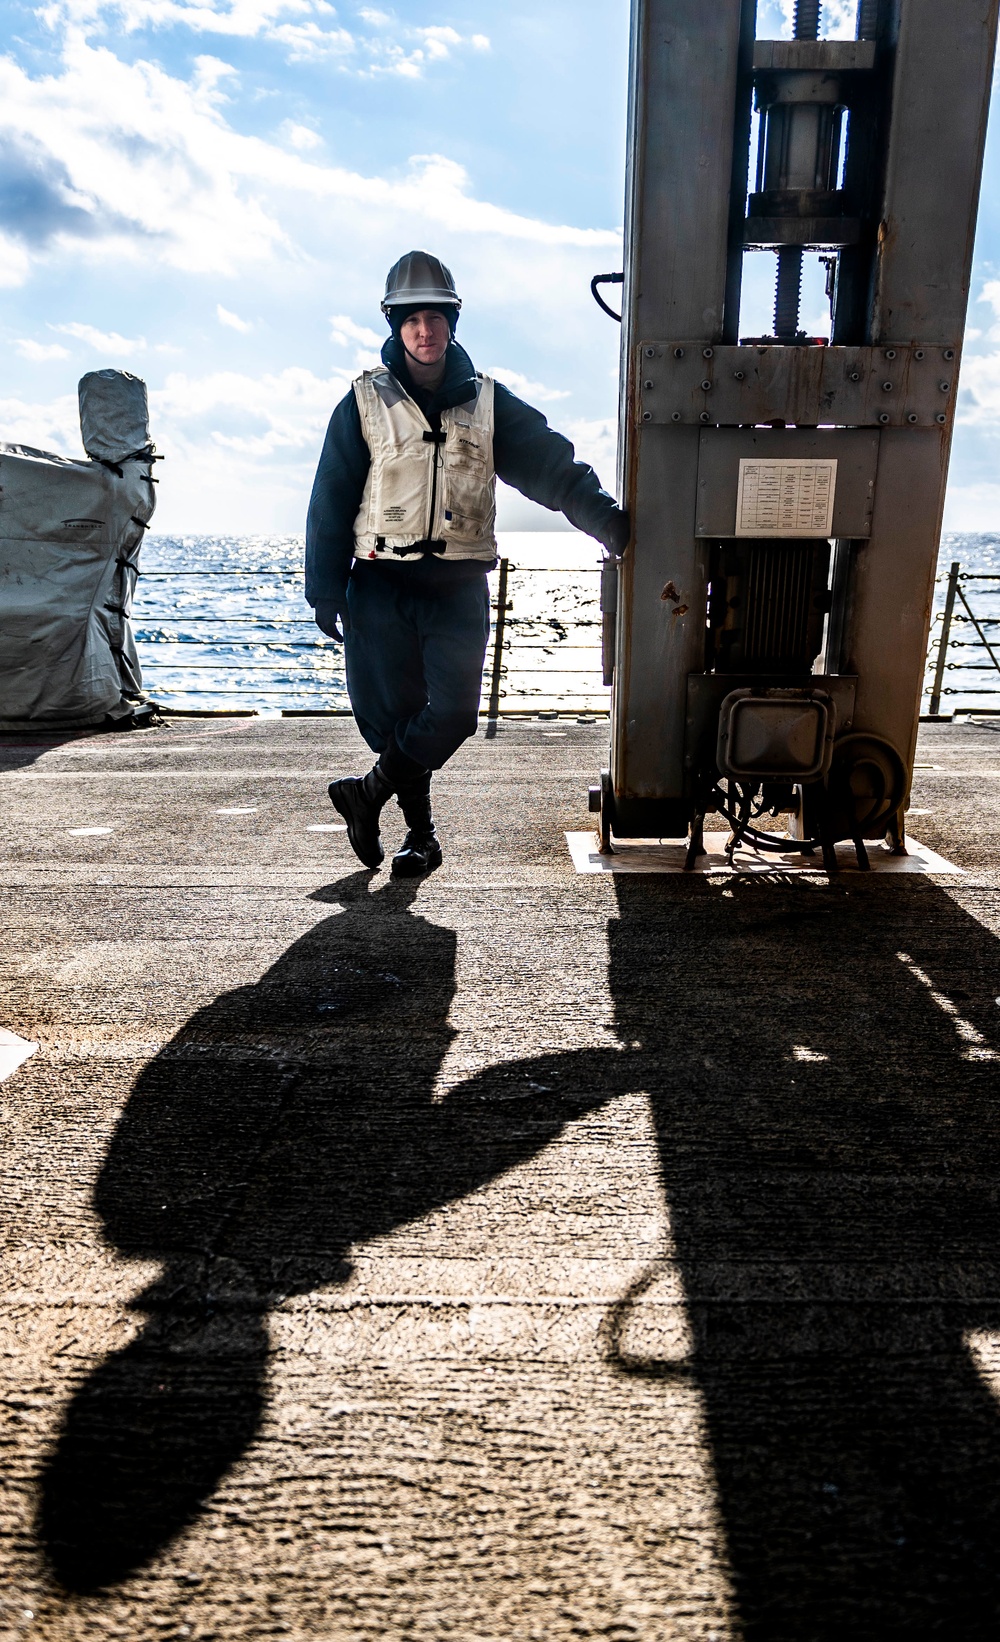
301	27
972	507
103	341
239	18
990	294
302	137
241	448
156	172
307	42
15	263
596	442
344	331
54	426
534	392
979	401
233	321
40	351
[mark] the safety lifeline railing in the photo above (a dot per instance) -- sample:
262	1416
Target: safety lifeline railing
964	619
559	628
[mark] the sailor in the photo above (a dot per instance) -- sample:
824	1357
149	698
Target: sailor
400	539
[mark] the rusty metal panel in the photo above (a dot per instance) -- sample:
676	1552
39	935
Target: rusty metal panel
662	611
722	449
685	381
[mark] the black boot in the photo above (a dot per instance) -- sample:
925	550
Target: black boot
359	799
421	851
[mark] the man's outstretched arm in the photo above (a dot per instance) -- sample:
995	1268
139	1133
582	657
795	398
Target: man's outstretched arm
542	465
333	508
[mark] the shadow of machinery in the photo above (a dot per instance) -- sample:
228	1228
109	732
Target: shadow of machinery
821	1065
816	1060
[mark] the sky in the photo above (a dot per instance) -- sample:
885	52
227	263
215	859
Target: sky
209	193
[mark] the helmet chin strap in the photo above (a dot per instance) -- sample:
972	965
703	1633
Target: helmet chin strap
420	362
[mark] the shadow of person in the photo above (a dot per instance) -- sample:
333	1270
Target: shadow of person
286	1122
821	1065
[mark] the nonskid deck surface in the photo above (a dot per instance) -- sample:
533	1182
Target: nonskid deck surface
516	1254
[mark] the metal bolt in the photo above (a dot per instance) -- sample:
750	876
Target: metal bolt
886	387
647	384
913	417
949	353
650	352
945	387
941	417
705	416
676	416
708	353
890	353
883	416
678	353
740	375
647	416
918	353
706	386
855	376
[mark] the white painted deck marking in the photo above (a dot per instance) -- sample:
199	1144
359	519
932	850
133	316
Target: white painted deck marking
13	1051
650	855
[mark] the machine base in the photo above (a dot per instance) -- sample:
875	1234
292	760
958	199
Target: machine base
649	855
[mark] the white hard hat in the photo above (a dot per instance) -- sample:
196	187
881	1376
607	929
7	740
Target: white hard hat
419	280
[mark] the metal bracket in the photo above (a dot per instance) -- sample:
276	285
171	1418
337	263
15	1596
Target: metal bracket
891	386
814	56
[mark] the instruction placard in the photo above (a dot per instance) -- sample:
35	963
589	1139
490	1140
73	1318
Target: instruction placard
792	498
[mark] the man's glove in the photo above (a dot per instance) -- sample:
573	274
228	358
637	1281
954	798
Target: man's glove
329	613
619	532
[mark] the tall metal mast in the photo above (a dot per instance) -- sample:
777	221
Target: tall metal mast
786	496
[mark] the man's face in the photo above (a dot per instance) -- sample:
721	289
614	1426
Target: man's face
426	335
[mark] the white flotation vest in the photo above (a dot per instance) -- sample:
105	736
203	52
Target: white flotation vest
424	486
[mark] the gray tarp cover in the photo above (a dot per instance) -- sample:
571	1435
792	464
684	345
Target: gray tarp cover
70	532
114	416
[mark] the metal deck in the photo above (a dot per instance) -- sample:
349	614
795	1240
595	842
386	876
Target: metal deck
520	1254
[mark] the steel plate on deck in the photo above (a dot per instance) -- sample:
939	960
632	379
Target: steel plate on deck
653	855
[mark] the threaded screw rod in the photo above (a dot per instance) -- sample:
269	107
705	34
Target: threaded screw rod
788	291
807	19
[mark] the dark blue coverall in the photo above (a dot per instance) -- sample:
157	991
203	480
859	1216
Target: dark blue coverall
416	633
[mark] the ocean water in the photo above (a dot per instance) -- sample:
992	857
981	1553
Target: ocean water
972	673
221	621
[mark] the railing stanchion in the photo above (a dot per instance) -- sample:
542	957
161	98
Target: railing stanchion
493	712
942	655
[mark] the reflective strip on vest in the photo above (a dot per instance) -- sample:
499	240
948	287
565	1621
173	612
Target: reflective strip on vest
422	488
